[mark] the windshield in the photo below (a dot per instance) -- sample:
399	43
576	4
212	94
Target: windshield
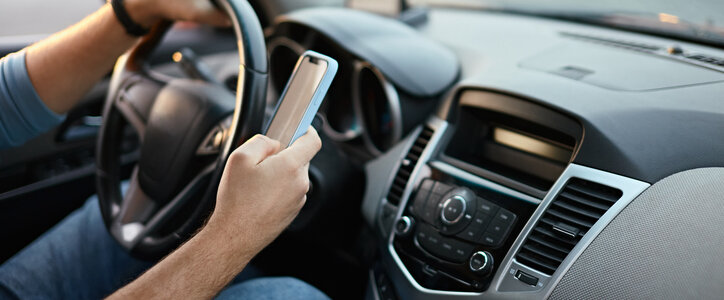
698	20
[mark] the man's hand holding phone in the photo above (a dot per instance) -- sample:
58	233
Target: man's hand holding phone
266	179
262	192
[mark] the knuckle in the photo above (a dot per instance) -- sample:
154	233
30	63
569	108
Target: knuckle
272	143
262	138
317	143
238	157
302	184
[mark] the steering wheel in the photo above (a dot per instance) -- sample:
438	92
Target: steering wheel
186	128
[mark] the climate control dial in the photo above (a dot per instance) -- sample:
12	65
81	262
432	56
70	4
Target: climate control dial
453	210
456	210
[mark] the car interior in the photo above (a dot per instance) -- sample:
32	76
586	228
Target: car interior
472	149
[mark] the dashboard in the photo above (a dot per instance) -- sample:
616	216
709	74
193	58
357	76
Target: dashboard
499	162
519	185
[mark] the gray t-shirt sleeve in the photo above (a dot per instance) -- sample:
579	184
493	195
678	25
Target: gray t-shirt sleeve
23	115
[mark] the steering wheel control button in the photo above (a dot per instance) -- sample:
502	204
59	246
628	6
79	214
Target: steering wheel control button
404	225
453	210
481	263
526	278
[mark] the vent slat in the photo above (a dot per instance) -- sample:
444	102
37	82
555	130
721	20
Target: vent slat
543	253
583	201
543	242
416	149
531	261
595	190
580	204
400	181
551	235
397	189
580	211
577	221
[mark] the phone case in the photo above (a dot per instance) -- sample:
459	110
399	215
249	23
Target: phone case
317	97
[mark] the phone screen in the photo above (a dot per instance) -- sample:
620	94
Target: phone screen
296	98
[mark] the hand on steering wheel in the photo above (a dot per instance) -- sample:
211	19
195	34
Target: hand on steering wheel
149	12
173	188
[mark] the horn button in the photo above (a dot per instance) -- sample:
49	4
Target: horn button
184	113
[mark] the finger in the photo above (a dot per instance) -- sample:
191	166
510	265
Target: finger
304	148
305	171
208	13
215	18
256	149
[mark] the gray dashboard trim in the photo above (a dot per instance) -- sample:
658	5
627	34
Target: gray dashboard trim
504	285
414	63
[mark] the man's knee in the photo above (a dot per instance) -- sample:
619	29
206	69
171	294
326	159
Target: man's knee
272	288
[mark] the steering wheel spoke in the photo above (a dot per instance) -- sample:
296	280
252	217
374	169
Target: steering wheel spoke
187	129
140	216
134	100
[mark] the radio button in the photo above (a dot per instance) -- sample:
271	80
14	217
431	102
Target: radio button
505	218
487	207
476	228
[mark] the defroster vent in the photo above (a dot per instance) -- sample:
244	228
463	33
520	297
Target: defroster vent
407	165
571	214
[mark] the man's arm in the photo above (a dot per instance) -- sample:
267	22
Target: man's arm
65	66
259	195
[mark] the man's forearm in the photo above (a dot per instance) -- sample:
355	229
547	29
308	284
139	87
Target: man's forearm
65	66
197	270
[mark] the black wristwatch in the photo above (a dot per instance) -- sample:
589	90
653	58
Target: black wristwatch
122	15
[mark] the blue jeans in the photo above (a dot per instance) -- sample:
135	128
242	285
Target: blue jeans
78	259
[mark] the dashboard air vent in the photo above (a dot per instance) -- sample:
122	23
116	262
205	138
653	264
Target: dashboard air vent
571	214
407	165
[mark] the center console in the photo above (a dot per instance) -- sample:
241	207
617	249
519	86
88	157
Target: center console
452	234
483	200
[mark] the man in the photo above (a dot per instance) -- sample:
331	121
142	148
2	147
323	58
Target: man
78	259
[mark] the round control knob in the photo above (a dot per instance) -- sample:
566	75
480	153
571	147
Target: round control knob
453	210
403	226
481	262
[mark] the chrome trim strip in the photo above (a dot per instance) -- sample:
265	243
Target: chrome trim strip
468	177
373	283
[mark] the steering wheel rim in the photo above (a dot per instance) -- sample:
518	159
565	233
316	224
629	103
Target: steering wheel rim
136	221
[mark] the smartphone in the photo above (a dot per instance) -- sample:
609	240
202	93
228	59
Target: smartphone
301	97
